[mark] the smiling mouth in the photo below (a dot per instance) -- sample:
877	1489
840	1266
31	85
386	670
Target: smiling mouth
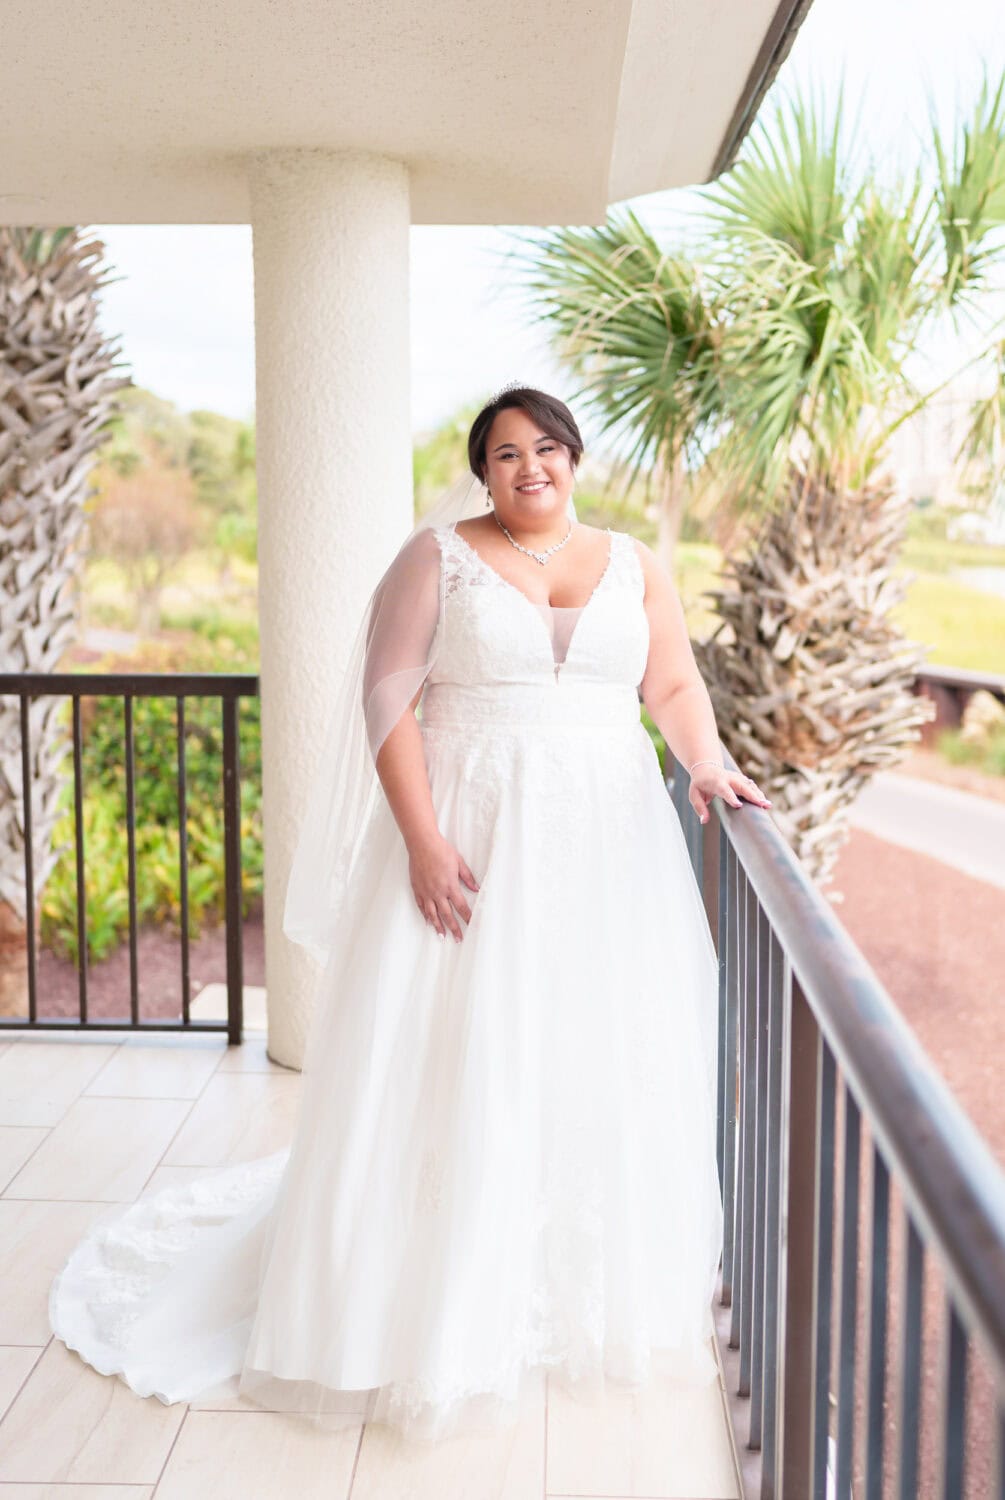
530	489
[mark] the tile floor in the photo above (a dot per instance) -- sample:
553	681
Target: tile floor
91	1120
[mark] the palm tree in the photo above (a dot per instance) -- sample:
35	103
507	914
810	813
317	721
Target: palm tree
770	357
984	441
57	399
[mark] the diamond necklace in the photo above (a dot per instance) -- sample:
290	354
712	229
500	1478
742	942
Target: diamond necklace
539	557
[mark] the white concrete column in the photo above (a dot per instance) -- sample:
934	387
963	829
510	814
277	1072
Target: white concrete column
334	459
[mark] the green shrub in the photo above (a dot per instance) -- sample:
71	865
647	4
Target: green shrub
158	893
657	739
987	755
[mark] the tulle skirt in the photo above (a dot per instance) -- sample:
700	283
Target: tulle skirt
503	1162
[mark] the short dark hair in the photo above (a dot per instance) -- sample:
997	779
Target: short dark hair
550	414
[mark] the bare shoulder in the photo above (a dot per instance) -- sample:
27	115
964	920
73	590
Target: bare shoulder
659	584
473	527
646	556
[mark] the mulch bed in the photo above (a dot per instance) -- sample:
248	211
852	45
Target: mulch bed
158	954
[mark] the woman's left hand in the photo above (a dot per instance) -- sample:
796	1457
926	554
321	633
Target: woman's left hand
715	781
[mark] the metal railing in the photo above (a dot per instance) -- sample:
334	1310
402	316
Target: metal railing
805	1025
228	689
950	689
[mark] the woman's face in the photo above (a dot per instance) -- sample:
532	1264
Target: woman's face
528	473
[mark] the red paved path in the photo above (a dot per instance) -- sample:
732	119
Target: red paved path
936	939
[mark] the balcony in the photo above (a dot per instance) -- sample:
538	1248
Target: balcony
864	1232
96	1119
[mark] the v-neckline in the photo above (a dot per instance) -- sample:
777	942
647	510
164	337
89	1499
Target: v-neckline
535	603
536	607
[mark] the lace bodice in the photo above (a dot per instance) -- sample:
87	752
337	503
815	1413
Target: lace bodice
493	634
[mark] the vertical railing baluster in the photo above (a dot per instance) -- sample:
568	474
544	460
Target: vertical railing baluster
823	1270
849	1295
802	1042
748	1169
27	687
186	982
78	824
910	1362
954	1404
878	1281
723	950
760	1165
742	1079
232	867
29	857
774	1248
134	1005
730	1081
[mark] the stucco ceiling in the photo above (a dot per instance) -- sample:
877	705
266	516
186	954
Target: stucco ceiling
126	111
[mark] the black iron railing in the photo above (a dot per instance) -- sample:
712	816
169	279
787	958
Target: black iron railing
805	1026
229	689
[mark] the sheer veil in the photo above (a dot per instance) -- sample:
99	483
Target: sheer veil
393	651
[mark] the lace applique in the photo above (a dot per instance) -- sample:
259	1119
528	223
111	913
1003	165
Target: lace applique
461	566
128	1255
430	1192
564	1327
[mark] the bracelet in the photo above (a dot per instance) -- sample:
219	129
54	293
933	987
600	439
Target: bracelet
710	762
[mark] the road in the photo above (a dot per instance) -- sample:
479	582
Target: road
958	828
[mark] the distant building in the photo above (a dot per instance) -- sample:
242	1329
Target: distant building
922	452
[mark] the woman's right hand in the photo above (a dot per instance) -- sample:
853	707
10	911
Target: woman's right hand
436	871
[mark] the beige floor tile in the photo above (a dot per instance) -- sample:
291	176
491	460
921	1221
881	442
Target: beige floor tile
17	1142
241	1455
172	1177
71	1424
211	1005
251	1057
103	1149
345	1403
77	1492
665	1441
507	1465
41	1076
238	1116
35	1240
16	1363
171	1067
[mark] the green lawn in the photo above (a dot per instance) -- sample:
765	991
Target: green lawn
961	626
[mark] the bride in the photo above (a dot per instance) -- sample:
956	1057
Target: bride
503	1162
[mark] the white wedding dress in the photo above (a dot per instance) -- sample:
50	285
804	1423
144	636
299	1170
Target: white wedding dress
506	1164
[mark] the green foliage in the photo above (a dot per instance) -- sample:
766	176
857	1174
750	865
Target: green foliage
962	626
440	457
780	333
988	755
157	836
221	460
201	453
657	739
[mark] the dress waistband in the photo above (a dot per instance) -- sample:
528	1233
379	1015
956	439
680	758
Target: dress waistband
601	705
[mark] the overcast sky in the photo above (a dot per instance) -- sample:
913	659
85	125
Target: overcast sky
183	307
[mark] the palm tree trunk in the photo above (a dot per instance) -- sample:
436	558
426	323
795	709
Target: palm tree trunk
58	398
672	480
813	689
